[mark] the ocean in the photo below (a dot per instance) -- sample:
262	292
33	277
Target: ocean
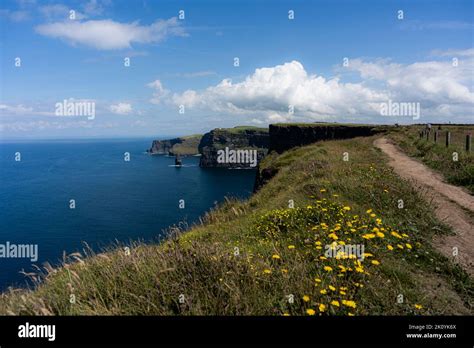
113	199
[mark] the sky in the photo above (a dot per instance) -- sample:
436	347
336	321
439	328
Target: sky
144	68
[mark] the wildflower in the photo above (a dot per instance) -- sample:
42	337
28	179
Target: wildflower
284	270
291	246
418	306
335	303
332	288
350	314
375	262
317	243
267	271
310	311
346	208
317	280
328	268
342	292
322	190
380	234
395	234
369	211
277	257
373	215
333	236
306	298
286	314
400	246
322	307
408	245
323	292
349	303
368	236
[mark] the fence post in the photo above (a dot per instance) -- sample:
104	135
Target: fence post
468	142
436	136
427	135
448	138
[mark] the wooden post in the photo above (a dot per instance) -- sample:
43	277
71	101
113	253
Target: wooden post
468	142
435	136
448	138
427	135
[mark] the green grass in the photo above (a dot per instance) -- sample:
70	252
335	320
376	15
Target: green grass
242	129
226	265
437	155
188	146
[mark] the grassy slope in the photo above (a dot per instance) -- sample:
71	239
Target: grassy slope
437	156
189	146
227	265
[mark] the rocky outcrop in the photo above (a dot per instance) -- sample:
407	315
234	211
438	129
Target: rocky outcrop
184	146
286	136
236	146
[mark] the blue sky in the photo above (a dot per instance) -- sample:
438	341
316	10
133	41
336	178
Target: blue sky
190	63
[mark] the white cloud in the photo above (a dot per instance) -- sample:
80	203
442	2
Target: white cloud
109	35
121	108
443	90
14	16
14	109
159	91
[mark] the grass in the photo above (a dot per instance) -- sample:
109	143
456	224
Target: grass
262	257
438	156
188	146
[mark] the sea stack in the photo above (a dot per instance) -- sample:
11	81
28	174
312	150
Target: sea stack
177	161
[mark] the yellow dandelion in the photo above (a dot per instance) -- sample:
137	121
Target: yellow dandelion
332	288
408	245
310	311
317	280
375	262
346	208
418	306
277	257
389	247
322	307
322	190
369	211
306	298
267	271
349	303
291	246
335	303
286	314
323	292
328	268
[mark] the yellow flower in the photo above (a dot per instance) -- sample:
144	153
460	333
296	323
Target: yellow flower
267	271
389	247
328	268
284	270
373	215
368	236
375	262
291	246
418	306
342	292
335	303
322	190
317	242
350	314
395	234
322	307
317	280
332	288
324	292
310	311
380	234
333	236
306	298
369	211
286	314
400	246
408	245
277	257
349	303
347	208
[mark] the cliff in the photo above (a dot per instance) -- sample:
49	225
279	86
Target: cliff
238	147
286	136
183	146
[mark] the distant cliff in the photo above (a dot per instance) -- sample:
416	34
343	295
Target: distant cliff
286	136
183	146
233	147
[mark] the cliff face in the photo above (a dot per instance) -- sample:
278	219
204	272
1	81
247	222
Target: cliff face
240	147
177	146
286	136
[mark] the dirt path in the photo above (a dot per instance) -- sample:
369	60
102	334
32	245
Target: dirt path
446	198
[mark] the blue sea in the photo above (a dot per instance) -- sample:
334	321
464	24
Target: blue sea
114	199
